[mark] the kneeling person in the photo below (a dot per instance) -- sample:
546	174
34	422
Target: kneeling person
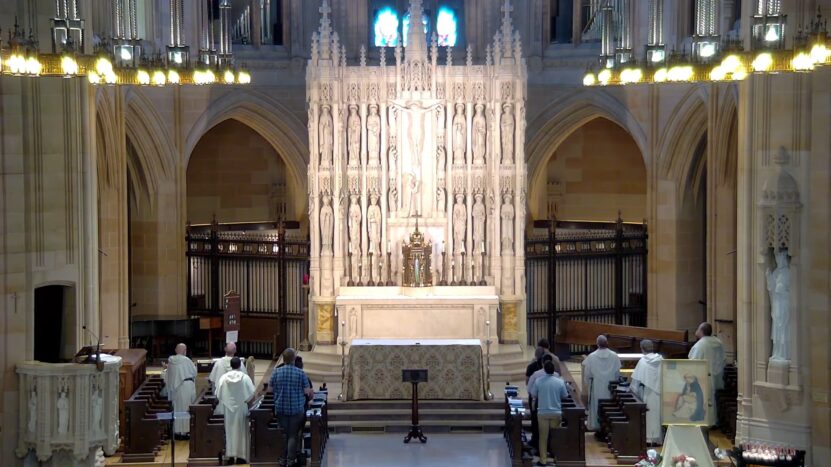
549	390
233	391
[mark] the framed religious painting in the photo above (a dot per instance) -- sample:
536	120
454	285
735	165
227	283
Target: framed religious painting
685	389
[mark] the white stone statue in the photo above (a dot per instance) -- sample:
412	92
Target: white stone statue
353	124
459	135
392	198
33	411
480	130
508	125
478	215
373	220
779	289
441	200
326	136
415	135
327	216
373	141
97	408
413	196
63	413
459	224
507	214
355	228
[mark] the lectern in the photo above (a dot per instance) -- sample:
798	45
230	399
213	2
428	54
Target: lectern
414	377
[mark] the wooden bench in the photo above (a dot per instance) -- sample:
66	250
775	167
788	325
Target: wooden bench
621	338
207	431
143	431
268	439
623	423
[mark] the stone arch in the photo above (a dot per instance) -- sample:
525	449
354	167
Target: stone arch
106	140
271	120
679	143
152	162
562	118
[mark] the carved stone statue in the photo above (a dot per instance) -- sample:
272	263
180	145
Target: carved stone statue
326	136
508	125
97	406
459	135
392	201
441	154
355	228
459	224
63	413
779	289
373	138
478	215
480	130
507	214
353	323
415	134
327	216
441	200
33	411
353	124
413	196
373	220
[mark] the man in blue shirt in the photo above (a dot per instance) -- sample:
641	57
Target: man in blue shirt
549	391
290	385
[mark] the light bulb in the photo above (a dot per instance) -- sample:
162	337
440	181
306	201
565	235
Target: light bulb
718	73
94	78
802	62
33	66
604	76
173	77
819	53
762	62
244	78
159	78
589	79
143	77
228	76
630	75
731	63
103	66
69	66
660	75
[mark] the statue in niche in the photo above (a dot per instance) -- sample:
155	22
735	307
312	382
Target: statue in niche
412	194
459	224
392	196
33	410
508	125
353	323
779	289
459	135
478	215
97	406
441	153
480	130
63	413
353	124
373	142
393	121
326	136
441	199
373	220
354	228
327	216
507	214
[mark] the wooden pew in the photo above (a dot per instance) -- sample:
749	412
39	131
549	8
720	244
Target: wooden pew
623	423
143	431
621	338
268	439
207	432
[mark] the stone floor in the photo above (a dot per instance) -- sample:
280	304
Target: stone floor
459	450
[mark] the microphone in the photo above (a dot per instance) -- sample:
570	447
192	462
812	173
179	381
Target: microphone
98	363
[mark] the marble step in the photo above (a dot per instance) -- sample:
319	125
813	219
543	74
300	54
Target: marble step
428	426
424	414
423	404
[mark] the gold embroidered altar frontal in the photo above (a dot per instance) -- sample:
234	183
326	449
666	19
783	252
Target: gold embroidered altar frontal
454	371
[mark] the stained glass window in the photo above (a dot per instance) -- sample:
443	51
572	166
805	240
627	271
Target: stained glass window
386	28
447	27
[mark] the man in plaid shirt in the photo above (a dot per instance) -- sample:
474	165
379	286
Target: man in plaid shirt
290	385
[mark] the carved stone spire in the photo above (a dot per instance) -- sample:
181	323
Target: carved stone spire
325	31
416	49
505	45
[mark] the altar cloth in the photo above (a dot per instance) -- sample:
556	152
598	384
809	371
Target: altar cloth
454	369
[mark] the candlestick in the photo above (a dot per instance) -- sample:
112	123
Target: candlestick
371	281
380	282
389	268
349	283
453	272
360	275
443	267
463	281
482	282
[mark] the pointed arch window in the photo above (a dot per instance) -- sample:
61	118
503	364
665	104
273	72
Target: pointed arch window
385	27
390	22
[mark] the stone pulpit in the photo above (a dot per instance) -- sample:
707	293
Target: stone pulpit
417	254
68	412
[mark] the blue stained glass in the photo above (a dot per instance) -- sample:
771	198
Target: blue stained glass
447	27
386	28
406	26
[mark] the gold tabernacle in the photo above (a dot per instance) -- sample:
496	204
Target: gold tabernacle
418	254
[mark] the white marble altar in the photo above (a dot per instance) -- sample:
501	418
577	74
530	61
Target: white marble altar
415	138
71	412
414	313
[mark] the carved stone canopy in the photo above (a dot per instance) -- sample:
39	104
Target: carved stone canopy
780	208
780	189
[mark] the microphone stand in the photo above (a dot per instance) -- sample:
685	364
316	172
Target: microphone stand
99	365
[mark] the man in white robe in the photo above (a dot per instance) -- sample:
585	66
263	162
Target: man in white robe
233	391
646	384
180	379
711	349
222	366
599	369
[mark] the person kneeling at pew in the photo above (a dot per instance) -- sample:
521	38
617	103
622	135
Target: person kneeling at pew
233	391
549	391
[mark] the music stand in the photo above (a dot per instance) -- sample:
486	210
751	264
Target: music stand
172	416
414	377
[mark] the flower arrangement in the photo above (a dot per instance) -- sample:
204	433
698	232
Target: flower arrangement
684	460
651	459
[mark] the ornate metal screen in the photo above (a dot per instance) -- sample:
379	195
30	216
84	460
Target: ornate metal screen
588	271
